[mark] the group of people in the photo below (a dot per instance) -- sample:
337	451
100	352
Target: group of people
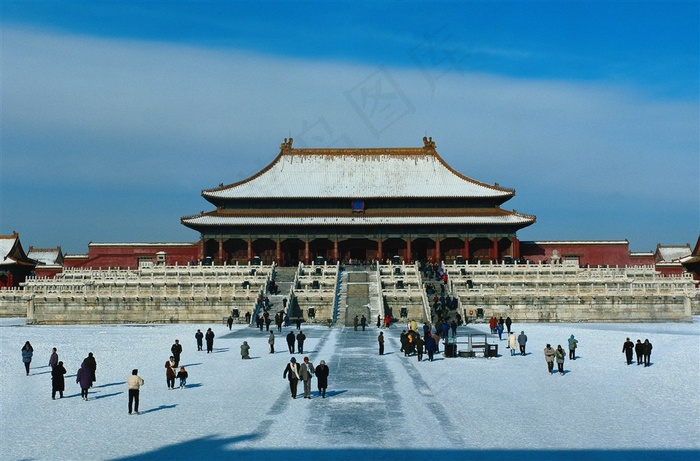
641	349
292	339
199	336
304	372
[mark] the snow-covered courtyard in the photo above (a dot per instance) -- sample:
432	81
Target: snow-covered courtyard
377	407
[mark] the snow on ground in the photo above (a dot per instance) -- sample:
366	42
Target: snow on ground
377	407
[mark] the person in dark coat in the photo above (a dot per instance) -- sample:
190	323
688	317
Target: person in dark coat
430	346
58	383
522	341
92	365
182	376
229	322
176	350
84	379
321	373
170	373
27	353
628	349
509	322
290	341
380	339
53	360
419	346
647	353
292	373
363	322
199	336
639	351
355	321
403	339
209	337
301	337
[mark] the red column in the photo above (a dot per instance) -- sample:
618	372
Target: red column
200	249
380	250
407	259
250	248
335	248
306	251
221	251
437	249
516	248
465	251
278	252
495	248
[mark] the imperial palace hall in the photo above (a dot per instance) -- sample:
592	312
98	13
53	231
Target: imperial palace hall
355	205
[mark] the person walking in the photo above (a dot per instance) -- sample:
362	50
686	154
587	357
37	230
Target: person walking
355	321
134	383
170	372
290	341
271	342
639	351
291	373
307	373
363	322
182	376
27	353
380	339
419	346
628	350
573	344
84	379
301	337
560	356
499	330
549	355
647	353
522	341
321	373
509	322
199	336
92	365
209	338
58	383
512	343
492	324
245	351
379	322
53	359
430	346
176	350
229	322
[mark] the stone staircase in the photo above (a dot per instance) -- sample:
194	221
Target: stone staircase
284	278
358	297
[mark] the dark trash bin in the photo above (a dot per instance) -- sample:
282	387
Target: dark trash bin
450	350
492	350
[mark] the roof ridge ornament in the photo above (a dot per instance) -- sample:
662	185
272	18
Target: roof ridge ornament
287	144
428	143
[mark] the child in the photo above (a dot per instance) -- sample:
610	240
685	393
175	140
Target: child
182	374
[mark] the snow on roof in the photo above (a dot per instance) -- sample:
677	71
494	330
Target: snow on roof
358	173
48	256
7	244
672	253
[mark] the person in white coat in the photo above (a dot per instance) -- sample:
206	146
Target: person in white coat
512	343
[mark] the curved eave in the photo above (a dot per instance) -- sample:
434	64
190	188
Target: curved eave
358	220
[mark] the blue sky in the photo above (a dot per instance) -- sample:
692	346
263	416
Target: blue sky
115	115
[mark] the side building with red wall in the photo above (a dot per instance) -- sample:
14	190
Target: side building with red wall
133	255
581	253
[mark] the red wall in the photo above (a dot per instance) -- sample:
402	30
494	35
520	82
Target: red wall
127	256
589	254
